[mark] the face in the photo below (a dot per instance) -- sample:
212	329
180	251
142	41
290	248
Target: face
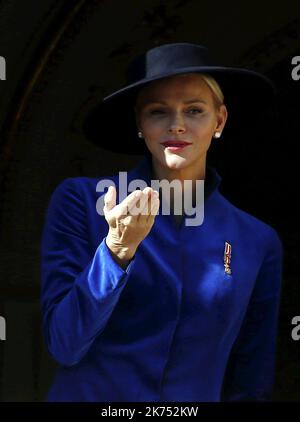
181	107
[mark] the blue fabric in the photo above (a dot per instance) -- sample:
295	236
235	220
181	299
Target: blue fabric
173	326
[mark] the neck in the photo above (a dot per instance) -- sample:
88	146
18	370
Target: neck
193	173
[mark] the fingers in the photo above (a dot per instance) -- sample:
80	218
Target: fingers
151	205
139	202
110	199
144	202
154	206
130	202
129	206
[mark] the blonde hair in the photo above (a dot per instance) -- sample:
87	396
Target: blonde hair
215	87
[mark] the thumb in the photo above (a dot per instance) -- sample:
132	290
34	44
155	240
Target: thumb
110	198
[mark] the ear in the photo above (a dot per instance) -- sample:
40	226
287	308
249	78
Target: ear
222	115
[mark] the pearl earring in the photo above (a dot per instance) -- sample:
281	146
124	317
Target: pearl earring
140	135
217	135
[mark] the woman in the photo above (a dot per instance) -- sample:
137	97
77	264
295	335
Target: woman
138	305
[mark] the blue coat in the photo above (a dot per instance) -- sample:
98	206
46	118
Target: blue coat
175	325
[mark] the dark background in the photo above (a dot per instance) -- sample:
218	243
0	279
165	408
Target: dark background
60	57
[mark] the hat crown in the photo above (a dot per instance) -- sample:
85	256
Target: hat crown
166	59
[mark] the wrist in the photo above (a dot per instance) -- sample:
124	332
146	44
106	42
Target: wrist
121	252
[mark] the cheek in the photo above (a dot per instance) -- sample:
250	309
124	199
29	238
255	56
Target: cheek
152	128
205	124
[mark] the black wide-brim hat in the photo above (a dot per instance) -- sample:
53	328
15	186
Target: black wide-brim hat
111	123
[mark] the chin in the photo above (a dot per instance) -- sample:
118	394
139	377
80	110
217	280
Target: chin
175	162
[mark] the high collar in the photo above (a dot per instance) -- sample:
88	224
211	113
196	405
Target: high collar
144	170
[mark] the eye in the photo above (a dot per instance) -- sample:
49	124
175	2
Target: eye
195	110
156	111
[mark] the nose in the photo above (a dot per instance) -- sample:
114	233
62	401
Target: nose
177	124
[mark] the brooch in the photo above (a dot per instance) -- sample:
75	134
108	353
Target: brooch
227	258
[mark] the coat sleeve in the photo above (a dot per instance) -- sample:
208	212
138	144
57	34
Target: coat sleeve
80	288
250	370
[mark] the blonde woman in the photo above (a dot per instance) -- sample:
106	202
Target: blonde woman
144	305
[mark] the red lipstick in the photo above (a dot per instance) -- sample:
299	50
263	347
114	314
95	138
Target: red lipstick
175	145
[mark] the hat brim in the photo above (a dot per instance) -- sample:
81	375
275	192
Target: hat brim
111	125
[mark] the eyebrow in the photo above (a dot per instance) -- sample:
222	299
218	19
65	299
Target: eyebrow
193	100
